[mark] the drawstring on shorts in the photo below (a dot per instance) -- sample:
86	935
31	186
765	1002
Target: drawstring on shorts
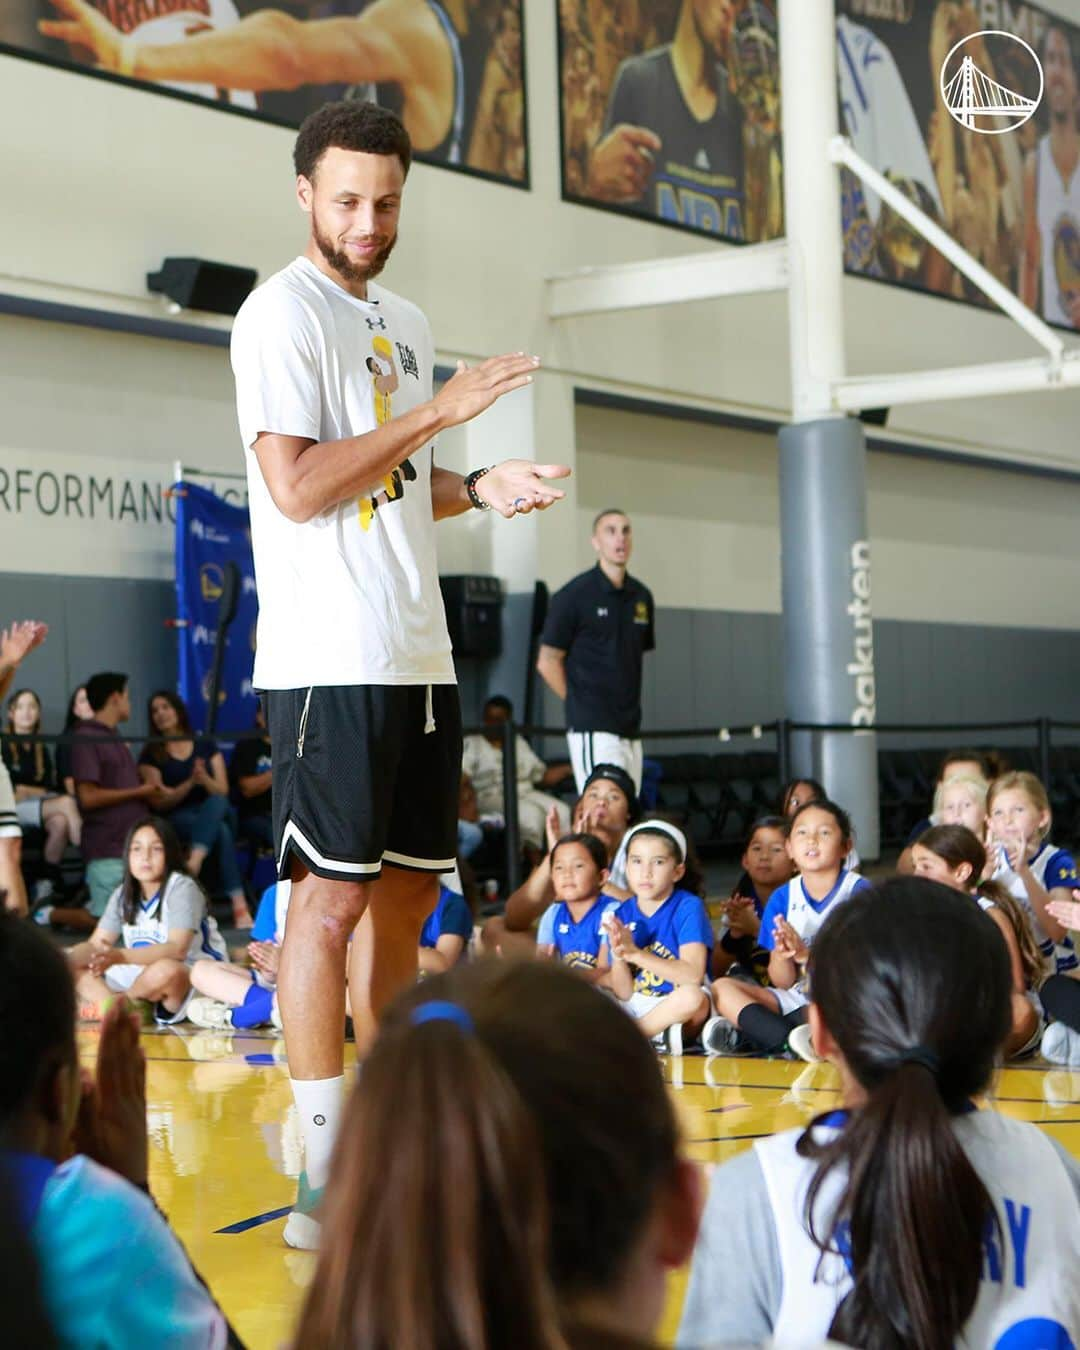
429	713
302	729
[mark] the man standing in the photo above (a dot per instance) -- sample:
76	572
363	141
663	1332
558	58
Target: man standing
598	628
112	797
16	642
352	646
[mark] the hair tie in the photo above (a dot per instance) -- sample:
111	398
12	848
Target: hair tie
441	1010
921	1055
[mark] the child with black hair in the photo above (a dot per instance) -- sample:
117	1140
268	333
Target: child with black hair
766	866
660	939
490	1185
112	1274
909	1217
578	873
763	1019
447	930
161	914
953	855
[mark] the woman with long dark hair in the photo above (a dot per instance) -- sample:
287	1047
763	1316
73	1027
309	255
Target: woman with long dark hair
909	1218
490	1189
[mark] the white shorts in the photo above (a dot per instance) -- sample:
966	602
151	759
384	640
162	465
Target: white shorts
9	815
638	1004
120	978
790	1000
29	812
590	748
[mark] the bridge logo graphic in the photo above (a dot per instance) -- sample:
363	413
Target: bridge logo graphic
978	101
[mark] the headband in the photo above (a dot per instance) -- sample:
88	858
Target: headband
663	827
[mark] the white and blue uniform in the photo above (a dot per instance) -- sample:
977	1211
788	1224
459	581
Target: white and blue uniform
806	915
450	917
180	904
757	1273
1050	867
680	920
579	944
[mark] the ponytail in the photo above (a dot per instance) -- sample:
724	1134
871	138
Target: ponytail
920	1025
1032	962
441	1155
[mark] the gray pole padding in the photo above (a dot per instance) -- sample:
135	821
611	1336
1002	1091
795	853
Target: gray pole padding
828	630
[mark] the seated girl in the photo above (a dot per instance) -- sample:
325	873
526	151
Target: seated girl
112	1274
659	940
800	792
536	1195
446	932
766	866
909	1217
1027	864
763	1019
227	994
961	800
1060	996
954	856
572	930
160	913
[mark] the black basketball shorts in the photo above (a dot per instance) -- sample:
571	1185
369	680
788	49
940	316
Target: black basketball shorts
365	775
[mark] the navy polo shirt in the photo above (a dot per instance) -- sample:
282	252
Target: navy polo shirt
604	631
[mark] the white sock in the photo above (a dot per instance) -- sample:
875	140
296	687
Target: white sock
320	1103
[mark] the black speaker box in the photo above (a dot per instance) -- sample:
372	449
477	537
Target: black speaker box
474	614
194	283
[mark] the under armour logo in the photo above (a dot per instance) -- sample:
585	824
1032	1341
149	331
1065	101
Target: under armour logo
377	322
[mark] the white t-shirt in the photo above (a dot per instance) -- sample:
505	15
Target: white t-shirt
483	763
352	596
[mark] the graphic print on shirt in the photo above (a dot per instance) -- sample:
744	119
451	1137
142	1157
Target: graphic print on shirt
384	380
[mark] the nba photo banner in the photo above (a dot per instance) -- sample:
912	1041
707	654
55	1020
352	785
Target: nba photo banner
211	535
453	69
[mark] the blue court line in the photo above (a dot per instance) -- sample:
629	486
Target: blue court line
243	1225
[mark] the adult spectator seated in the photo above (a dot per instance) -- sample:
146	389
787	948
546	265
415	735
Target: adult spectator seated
16	643
252	772
79	710
482	764
191	790
607	809
39	803
111	796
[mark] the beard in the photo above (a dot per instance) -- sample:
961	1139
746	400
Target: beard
343	265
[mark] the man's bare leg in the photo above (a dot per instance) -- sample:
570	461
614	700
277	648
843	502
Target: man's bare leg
311	995
384	955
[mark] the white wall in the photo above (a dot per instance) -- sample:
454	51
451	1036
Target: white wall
950	543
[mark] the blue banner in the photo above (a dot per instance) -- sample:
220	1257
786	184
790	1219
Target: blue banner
211	534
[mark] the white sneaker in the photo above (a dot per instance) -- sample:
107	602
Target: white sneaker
801	1043
1061	1045
209	1013
302	1232
719	1037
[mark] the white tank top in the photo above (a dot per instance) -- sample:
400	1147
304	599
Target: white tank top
803	917
153	923
1057	207
1029	1296
1063	953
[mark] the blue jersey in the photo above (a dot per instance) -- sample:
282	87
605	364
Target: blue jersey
680	920
578	944
794	903
113	1275
450	916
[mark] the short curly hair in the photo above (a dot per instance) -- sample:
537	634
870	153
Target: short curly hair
350	125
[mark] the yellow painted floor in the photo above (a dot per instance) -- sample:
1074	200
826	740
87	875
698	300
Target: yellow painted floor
225	1150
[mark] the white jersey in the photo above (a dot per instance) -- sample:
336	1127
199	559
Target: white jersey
351	596
1057	210
801	912
1029	1295
182	904
155	23
1051	867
